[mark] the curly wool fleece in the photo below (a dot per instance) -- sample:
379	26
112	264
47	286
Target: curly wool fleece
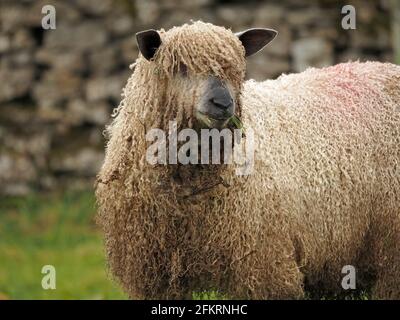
324	193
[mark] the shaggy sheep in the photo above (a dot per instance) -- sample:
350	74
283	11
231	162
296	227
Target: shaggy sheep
324	192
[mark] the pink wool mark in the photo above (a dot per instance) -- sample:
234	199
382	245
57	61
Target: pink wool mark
348	88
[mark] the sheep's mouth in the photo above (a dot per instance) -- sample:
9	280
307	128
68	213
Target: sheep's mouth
209	121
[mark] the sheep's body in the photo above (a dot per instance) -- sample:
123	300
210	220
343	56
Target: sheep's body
328	162
324	193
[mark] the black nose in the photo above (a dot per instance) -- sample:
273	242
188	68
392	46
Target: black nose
222	99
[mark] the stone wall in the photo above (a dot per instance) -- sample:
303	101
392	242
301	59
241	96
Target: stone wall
58	87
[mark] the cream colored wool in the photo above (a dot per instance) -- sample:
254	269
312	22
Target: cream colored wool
324	193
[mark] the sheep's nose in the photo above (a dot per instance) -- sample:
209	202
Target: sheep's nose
222	101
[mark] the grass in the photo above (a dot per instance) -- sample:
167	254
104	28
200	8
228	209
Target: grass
59	231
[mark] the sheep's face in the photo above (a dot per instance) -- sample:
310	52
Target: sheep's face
211	101
205	67
216	104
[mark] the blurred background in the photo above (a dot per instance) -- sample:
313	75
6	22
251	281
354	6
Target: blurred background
58	88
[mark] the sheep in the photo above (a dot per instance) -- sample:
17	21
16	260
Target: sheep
324	191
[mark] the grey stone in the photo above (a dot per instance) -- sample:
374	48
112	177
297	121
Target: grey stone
33	144
16	173
179	17
364	38
86	162
129	50
263	66
12	17
14	188
269	16
22	39
83	36
147	11
235	17
5	43
104	88
15	82
311	52
183	4
365	12
121	25
79	111
70	60
16	115
22	58
95	7
304	17
56	85
104	61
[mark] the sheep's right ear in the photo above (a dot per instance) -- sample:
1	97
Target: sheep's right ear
148	42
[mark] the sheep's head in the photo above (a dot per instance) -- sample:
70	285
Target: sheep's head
199	69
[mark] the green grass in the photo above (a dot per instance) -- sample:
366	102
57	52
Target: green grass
59	231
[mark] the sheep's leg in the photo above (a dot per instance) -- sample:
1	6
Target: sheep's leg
275	275
388	284
387	261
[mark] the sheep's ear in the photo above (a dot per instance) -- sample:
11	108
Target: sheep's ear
148	42
254	40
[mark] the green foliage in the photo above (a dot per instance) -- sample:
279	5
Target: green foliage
208	295
237	123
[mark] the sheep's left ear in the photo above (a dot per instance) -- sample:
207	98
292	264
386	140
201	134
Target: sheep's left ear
148	42
253	40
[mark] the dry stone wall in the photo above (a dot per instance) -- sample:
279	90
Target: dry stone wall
58	87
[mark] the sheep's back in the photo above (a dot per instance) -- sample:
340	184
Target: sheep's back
327	153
